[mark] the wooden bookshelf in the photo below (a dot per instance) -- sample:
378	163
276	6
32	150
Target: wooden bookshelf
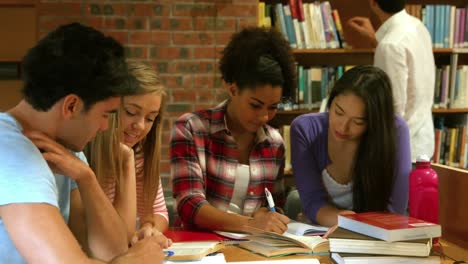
335	57
443	111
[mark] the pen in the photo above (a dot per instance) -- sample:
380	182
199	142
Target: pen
270	201
168	253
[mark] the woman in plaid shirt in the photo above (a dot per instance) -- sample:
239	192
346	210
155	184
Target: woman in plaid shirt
223	158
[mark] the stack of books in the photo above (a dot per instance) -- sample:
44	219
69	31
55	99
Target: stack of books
379	237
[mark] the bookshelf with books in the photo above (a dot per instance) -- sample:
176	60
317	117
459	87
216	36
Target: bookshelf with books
450	56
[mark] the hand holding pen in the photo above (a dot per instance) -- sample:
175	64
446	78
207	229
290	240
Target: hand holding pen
268	219
271	202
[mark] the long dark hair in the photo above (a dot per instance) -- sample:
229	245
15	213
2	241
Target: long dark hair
374	162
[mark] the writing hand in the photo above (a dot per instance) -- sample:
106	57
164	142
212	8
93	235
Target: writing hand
269	221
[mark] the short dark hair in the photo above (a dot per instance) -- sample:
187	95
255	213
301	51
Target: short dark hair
75	59
391	6
258	56
375	159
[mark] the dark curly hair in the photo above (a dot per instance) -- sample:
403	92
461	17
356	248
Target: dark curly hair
393	6
258	56
75	59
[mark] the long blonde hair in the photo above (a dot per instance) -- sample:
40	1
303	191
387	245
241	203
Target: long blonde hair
107	163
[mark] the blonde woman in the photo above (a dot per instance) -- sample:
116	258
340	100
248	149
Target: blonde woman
126	158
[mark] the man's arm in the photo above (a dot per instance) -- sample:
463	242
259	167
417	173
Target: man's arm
105	231
44	240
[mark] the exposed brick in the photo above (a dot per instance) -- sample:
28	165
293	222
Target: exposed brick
245	22
181	23
207	52
59	9
205	95
159	23
107	10
183	95
247	10
204	106
120	36
178	81
192	38
141	9
95	9
169	53
223	38
162	67
215	23
136	52
153	38
186	67
137	23
162	9
193	9
118	23
165	165
179	108
204	81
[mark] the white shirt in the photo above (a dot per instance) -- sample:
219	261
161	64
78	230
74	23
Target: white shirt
404	52
341	195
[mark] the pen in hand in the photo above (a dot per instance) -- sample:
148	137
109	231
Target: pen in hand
271	203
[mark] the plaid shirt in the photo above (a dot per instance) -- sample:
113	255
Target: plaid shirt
204	160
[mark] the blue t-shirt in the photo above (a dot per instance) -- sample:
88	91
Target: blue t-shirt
25	177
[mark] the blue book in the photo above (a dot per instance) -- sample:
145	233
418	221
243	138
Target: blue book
289	26
280	20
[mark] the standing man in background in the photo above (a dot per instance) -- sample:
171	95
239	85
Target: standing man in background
404	52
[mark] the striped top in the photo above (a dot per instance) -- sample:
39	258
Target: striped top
159	205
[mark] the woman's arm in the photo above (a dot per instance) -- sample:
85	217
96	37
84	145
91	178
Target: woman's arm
327	215
307	174
125	192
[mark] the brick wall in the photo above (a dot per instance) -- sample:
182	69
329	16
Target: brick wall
181	38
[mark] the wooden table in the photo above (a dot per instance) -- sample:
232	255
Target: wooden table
233	254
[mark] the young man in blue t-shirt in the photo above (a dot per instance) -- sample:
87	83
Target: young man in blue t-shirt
49	197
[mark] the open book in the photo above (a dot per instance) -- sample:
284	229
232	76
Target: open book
271	244
193	250
302	229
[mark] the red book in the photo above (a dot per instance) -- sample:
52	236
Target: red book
389	226
189	236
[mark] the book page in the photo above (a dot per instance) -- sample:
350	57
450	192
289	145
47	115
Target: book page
214	259
311	241
191	248
282	261
300	229
232	235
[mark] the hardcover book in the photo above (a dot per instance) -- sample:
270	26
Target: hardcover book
345	241
389	226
